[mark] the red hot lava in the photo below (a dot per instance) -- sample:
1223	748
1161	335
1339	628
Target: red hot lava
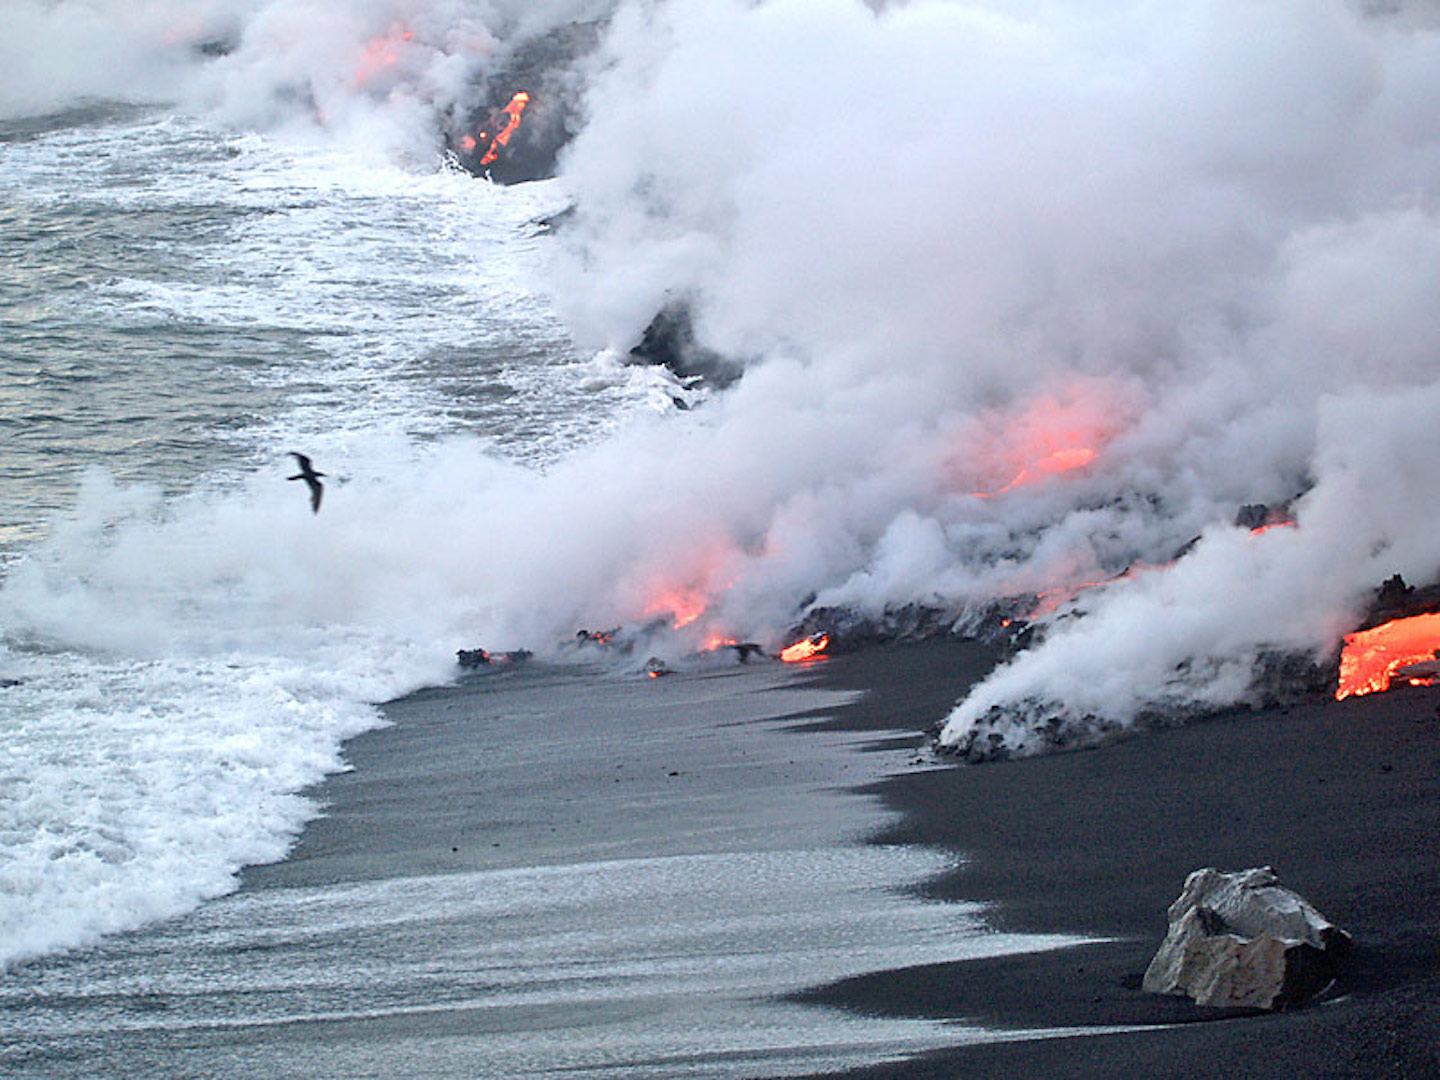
805	648
1371	658
1051	435
1258	529
682	606
507	120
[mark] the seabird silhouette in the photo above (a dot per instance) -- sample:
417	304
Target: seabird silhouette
311	477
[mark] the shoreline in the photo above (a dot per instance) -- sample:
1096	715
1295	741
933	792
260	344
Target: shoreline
668	861
547	871
569	872
1341	798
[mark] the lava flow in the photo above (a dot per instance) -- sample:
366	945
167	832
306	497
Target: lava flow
1258	529
1372	657
1059	461
805	648
1049	436
509	117
681	606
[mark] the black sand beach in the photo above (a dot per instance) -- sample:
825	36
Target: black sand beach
548	870
754	873
1342	799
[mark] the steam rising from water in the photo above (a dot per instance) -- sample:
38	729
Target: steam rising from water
377	74
1196	244
1202	236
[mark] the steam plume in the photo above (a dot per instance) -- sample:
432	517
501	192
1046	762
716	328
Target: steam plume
1028	293
952	238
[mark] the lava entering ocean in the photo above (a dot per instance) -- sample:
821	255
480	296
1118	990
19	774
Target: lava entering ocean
1027	368
1372	658
506	128
805	649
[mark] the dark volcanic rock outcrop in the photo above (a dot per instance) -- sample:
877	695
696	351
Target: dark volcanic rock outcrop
669	341
548	68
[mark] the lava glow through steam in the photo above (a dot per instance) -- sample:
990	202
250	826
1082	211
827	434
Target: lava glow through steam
1044	437
1052	464
381	54
1106	274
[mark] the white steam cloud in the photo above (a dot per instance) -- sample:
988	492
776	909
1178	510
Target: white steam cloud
1196	242
56	54
1029	294
380	73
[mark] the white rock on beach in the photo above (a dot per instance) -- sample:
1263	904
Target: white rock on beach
1244	941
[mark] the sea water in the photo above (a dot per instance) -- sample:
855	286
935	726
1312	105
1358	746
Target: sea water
186	646
182	306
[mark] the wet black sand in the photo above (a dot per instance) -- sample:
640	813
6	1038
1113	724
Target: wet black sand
1342	799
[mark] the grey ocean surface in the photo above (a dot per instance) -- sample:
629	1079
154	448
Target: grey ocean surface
174	299
546	872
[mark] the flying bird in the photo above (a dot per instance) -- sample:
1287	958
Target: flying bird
311	477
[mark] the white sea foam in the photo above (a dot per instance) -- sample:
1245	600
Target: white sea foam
133	790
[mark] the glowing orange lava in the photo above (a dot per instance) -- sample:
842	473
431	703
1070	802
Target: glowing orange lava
805	648
1258	529
1371	657
683	606
511	112
1064	460
380	53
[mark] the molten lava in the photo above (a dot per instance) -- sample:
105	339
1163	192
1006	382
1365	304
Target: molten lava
1258	529
1372	657
805	648
682	606
1030	442
509	117
381	54
1064	460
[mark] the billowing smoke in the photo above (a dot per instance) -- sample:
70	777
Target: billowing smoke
383	74
57	54
1029	295
1033	294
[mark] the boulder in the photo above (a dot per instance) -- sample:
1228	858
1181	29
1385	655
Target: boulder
1244	941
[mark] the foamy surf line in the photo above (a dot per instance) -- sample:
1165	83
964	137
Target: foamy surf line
135	790
548	870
